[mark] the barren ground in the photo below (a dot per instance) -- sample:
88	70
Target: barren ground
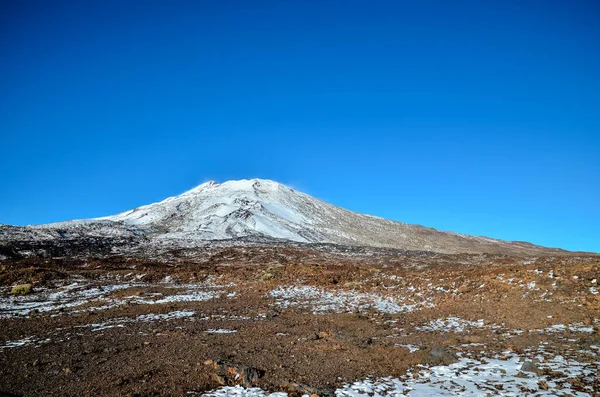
301	321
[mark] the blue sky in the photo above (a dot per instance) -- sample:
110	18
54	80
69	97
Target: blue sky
476	117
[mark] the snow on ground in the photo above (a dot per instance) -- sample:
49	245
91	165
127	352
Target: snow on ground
459	325
166	316
451	324
145	318
322	301
71	295
489	376
30	340
122	322
560	328
114	323
411	348
76	294
191	296
468	377
224	317
239	391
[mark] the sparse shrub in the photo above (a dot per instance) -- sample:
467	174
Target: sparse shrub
266	276
352	284
21	289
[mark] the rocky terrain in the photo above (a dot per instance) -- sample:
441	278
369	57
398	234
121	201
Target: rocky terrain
250	288
258	318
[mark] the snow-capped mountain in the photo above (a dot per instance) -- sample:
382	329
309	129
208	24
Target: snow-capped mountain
267	209
214	211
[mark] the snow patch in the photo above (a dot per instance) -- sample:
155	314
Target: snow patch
451	324
490	376
30	340
76	294
239	391
323	301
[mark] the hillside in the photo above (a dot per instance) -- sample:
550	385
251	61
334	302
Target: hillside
267	209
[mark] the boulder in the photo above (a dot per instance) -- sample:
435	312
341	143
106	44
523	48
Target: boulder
441	356
235	374
529	366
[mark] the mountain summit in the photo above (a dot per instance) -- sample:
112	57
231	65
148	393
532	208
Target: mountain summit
264	208
215	211
258	208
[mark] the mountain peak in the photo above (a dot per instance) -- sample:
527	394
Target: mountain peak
248	185
268	209
236	208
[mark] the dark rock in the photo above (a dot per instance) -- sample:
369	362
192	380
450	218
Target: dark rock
441	356
235	374
529	366
271	313
53	372
309	338
342	336
219	379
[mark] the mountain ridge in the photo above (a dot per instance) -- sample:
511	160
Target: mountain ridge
268	209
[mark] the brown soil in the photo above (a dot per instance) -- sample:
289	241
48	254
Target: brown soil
291	349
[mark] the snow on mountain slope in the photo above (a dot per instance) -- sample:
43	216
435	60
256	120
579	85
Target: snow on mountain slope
266	209
229	210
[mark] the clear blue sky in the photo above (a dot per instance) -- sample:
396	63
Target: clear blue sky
479	117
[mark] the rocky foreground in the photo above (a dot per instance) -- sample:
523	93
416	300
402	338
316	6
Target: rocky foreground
255	319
